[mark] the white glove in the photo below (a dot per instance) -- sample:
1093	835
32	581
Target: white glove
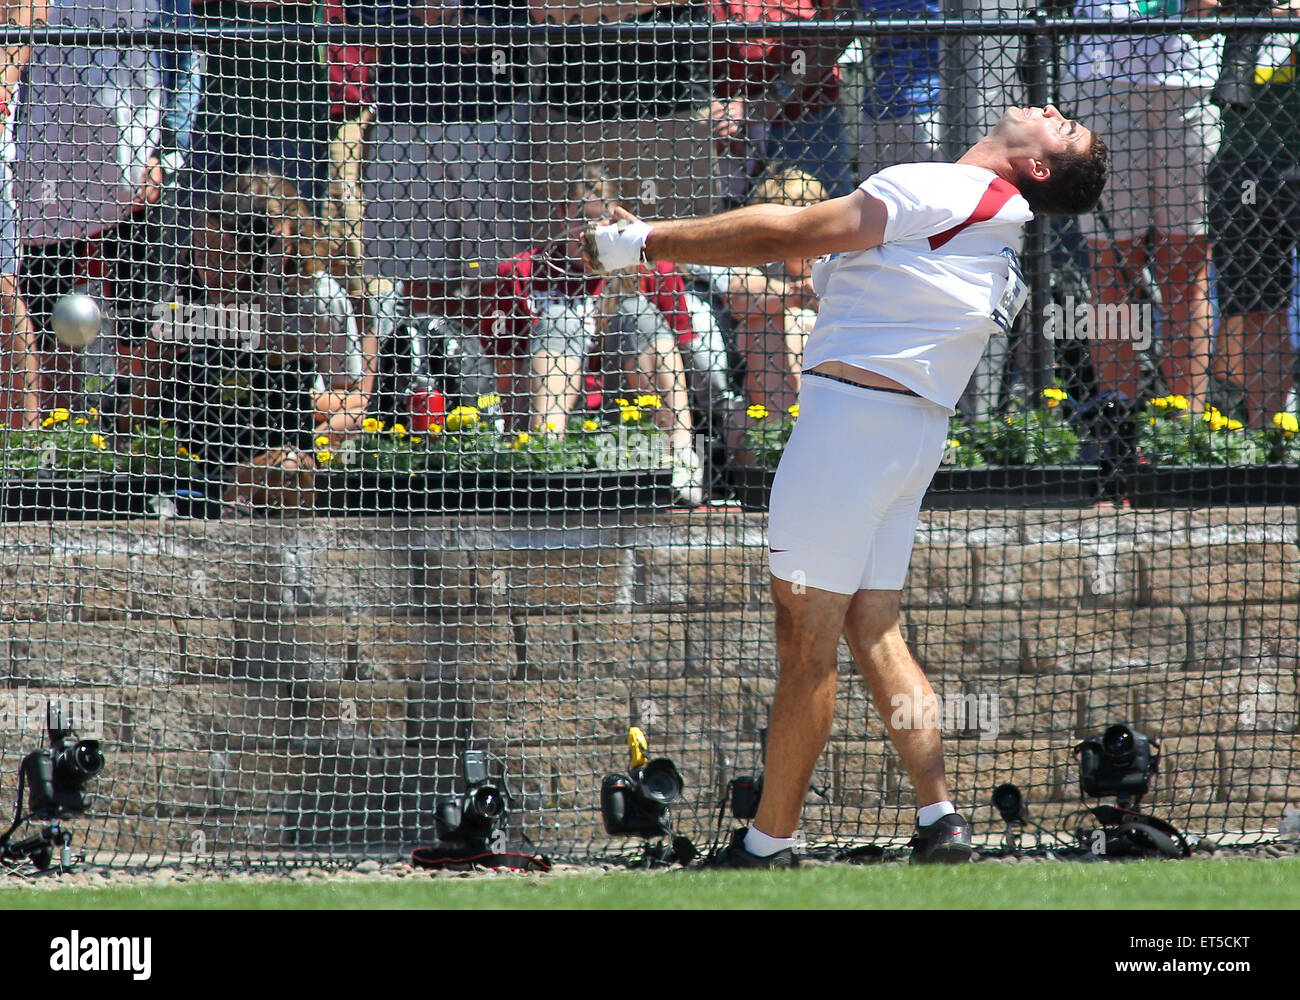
619	246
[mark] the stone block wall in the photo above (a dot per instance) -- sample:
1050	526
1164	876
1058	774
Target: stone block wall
309	685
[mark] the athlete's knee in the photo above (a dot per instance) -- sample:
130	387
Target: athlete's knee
873	615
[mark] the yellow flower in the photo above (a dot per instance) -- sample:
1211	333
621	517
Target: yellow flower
523	437
1179	402
794	412
757	411
629	414
1235	425
416	439
81	421
93	412
59	415
47	422
183	452
324	456
649	402
590	425
398	431
435	429
323	441
371	425
952	443
1286	422
462	417
1161	402
489	399
98	441
1055	393
622	402
1214	418
550	427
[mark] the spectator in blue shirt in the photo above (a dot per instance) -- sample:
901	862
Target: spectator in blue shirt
900	109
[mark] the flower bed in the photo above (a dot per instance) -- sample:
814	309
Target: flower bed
71	467
958	489
1030	456
379	493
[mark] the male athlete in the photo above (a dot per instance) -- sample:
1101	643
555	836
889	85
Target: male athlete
921	269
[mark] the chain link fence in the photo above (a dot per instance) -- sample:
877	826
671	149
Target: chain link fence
327	460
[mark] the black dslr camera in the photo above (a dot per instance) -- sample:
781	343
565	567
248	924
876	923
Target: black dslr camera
56	776
1120	763
477	817
1235	87
636	804
745	792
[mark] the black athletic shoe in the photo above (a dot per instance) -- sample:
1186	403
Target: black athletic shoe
734	855
946	841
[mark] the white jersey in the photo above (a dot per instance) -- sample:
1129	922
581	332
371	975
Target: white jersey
89	119
920	307
1143	60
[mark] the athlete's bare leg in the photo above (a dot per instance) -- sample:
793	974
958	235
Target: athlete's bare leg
872	631
809	623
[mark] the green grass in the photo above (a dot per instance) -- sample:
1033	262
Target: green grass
1228	884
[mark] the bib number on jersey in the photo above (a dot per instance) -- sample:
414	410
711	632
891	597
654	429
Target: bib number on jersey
1014	295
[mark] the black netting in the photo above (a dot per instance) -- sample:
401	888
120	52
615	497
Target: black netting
328	459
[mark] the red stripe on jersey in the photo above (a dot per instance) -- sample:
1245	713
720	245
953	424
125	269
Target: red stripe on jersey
997	194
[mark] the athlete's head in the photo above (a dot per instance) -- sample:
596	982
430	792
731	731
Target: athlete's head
1058	164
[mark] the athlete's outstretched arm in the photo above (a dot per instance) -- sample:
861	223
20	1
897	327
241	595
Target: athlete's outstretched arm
759	234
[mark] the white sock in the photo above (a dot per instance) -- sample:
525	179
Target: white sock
761	845
933	813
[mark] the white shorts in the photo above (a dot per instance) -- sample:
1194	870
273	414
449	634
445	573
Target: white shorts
848	491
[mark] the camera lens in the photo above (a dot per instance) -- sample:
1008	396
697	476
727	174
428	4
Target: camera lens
1117	744
1007	801
660	781
79	763
485	803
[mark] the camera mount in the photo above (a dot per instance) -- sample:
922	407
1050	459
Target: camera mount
636	804
471	828
55	778
1122	762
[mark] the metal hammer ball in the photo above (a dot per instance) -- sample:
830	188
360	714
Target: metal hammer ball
75	319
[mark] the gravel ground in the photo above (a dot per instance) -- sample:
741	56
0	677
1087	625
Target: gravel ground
99	876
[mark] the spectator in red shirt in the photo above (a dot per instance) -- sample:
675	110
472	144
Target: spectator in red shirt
777	99
547	307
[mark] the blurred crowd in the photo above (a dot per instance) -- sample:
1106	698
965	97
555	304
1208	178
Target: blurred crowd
277	212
